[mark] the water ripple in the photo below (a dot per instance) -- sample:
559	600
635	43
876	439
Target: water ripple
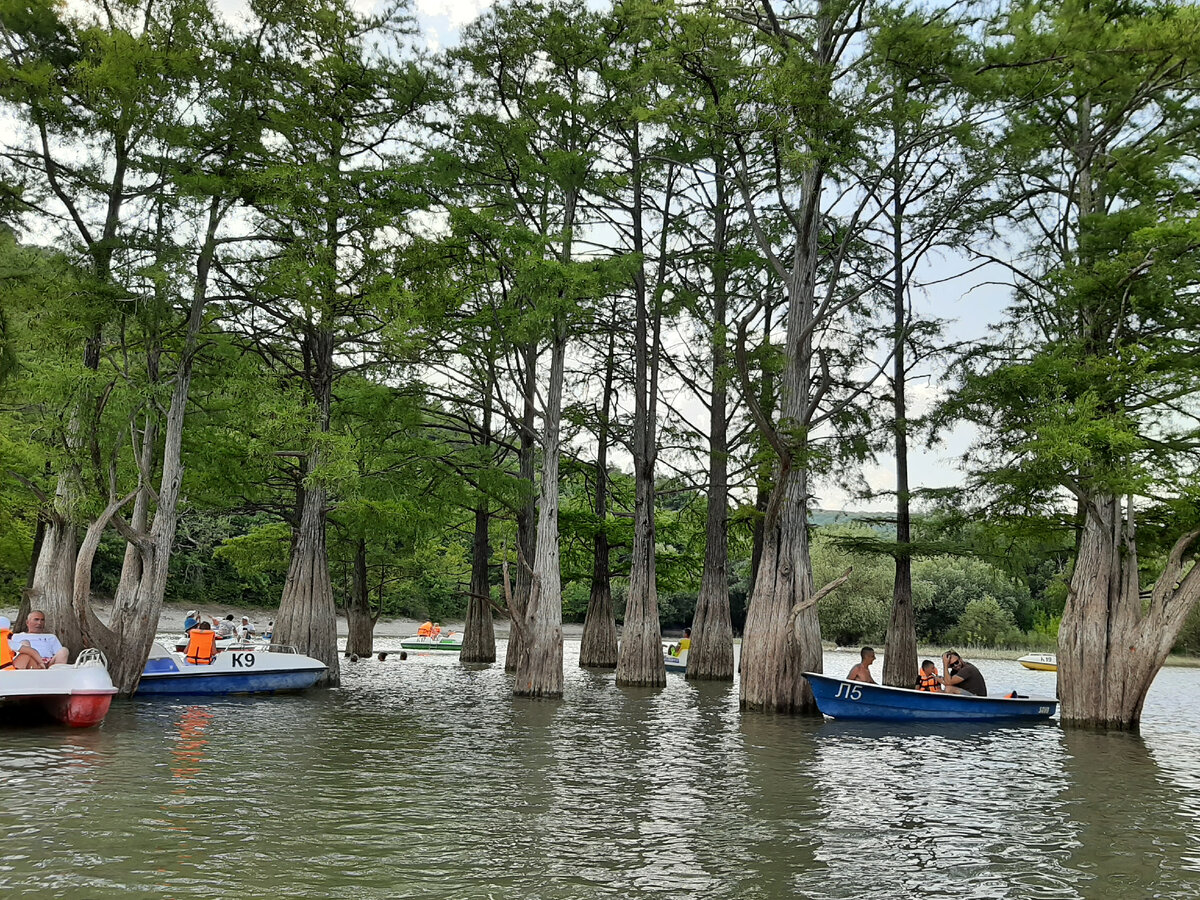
427	778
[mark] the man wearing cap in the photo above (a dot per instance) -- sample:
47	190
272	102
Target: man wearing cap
192	620
40	648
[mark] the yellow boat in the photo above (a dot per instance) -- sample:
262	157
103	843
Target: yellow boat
1042	662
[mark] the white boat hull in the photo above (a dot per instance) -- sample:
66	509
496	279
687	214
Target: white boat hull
232	672
77	696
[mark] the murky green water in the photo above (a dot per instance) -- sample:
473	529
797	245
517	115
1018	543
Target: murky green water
425	778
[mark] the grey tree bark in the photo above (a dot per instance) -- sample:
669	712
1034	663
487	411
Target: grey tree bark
900	660
1109	649
540	667
360	621
711	655
640	657
598	647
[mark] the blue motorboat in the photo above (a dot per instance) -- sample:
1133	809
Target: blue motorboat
269	671
840	698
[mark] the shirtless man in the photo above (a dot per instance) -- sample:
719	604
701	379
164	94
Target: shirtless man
862	671
37	648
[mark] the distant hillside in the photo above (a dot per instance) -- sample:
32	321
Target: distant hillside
882	522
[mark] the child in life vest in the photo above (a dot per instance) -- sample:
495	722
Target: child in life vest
928	678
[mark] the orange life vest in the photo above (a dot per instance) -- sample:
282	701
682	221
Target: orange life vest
6	652
928	682
202	647
425	630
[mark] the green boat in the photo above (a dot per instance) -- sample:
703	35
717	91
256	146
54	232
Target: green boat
450	642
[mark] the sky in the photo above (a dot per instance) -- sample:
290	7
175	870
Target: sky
969	306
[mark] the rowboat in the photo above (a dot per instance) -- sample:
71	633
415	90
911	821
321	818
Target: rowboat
1041	662
840	698
269	671
76	695
450	641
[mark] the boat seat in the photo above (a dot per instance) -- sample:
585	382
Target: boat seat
161	664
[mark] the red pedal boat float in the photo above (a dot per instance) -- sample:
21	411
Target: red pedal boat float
76	695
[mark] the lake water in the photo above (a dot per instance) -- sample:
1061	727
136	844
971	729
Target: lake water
425	778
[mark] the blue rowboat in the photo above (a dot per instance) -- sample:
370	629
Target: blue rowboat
839	698
231	672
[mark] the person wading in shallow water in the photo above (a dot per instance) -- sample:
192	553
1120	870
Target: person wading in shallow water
862	672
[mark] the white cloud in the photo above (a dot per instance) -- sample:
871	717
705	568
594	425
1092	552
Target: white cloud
458	12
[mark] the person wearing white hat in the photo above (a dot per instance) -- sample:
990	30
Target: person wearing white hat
191	621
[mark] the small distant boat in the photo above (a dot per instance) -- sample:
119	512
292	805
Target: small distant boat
840	698
450	641
1041	662
675	663
77	695
269	671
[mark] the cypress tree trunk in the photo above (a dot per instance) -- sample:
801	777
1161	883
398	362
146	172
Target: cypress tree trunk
479	632
479	637
711	655
307	616
360	623
598	648
307	619
54	582
1109	651
526	519
39	537
135	615
763	484
640	658
783	634
779	644
900	660
540	666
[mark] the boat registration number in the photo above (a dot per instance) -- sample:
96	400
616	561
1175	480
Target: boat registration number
241	660
848	692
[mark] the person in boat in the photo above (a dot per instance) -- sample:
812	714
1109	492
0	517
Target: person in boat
928	678
961	677
245	631
202	645
6	651
426	630
437	631
191	620
685	643
862	671
45	646
226	627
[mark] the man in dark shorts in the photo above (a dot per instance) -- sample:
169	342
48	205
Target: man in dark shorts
961	677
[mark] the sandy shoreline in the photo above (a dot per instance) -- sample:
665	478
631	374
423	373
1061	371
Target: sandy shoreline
171	621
